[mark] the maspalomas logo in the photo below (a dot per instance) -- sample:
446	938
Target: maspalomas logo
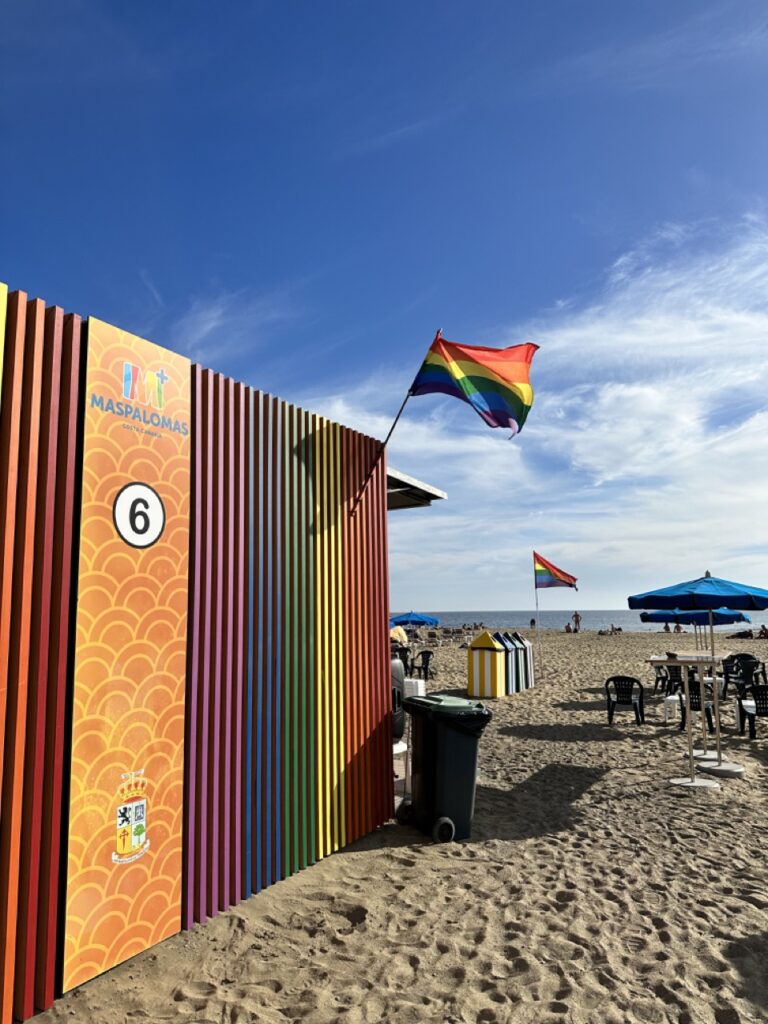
131	839
142	399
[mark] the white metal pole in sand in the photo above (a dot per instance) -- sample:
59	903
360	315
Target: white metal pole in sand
702	716
694	781
538	635
717	766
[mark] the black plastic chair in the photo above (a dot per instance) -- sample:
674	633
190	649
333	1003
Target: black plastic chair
730	677
628	692
404	654
662	678
398	693
758	691
746	665
674	679
694	695
420	665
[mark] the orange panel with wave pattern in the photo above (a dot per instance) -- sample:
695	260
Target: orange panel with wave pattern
125	833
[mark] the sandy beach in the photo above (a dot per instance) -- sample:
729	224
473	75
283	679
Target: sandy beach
591	892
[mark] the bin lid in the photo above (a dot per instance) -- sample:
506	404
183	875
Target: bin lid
446	705
506	642
518	641
485	642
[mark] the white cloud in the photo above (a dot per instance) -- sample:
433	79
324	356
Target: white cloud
644	460
717	34
226	324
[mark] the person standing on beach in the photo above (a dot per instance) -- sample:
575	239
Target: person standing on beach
576	622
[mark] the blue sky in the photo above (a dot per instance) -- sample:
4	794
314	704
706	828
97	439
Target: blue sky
299	194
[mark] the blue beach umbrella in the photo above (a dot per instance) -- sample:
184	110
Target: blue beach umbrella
704	593
708	593
720	617
413	619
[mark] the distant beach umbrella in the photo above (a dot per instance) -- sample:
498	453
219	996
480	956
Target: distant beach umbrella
413	619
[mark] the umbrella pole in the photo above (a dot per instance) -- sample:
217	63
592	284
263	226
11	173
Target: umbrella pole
702	716
688	726
715	687
538	638
727	768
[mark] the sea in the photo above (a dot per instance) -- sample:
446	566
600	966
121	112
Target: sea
629	621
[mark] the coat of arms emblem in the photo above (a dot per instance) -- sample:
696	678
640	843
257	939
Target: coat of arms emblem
131	839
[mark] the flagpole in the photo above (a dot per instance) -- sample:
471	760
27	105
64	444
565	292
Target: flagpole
538	634
382	447
384	443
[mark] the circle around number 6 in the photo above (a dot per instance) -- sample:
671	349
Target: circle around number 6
139	515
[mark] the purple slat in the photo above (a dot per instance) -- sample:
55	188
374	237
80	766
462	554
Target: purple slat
191	763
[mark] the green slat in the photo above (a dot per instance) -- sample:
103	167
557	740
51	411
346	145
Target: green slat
298	630
285	682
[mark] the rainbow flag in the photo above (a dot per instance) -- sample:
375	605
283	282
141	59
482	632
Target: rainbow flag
494	381
548	575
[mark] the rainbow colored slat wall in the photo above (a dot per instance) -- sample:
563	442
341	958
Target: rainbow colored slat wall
288	705
287	747
38	478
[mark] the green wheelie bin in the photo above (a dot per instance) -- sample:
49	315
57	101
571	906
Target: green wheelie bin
445	734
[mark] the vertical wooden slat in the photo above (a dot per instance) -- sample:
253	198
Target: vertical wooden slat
365	595
217	597
250	554
341	516
333	674
205	684
3	312
240	645
286	663
382	672
350	675
384	742
227	427
10	426
65	560
258	641
389	788
363	648
277	634
296	630
323	673
319	673
338	834
302	597
311	530
269	643
357	676
192	765
263	642
19	647
376	637
42	589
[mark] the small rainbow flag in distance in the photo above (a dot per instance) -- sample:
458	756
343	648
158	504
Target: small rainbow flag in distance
494	381
548	575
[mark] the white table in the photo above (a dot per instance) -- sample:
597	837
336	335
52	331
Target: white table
700	660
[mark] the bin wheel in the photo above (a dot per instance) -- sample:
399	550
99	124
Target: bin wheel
404	813
443	830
